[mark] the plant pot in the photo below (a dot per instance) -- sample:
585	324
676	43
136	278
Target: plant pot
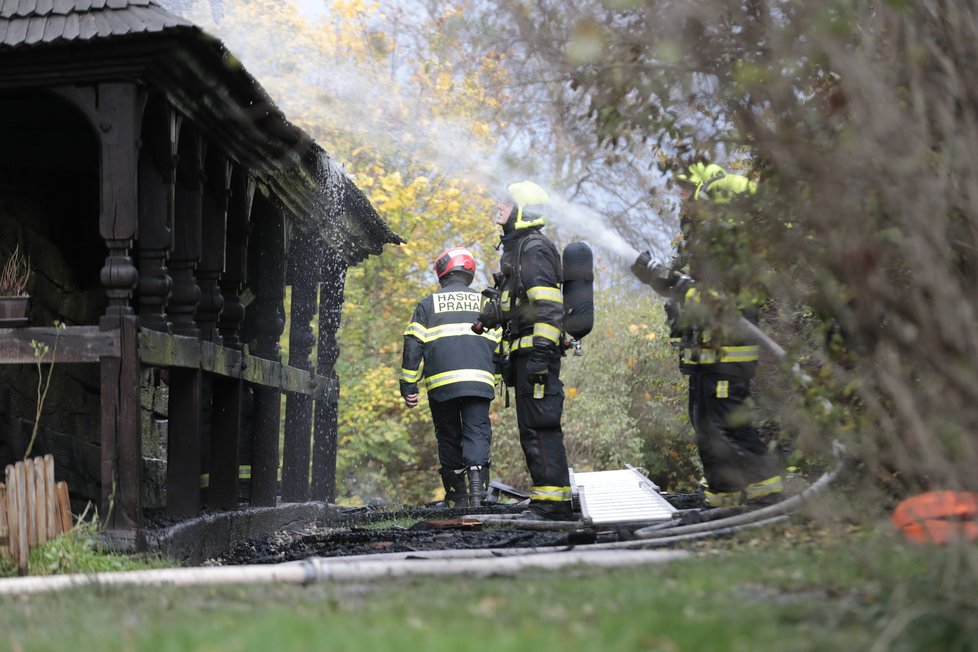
13	311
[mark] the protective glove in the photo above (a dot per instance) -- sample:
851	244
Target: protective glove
674	312
538	366
491	313
665	281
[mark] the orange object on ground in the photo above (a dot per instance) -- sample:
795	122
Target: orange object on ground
938	517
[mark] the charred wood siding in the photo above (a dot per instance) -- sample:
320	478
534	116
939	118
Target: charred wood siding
185	145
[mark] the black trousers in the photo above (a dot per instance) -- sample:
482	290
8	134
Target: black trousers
732	452
541	435
462	430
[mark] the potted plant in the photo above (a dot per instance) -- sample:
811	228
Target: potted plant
14	300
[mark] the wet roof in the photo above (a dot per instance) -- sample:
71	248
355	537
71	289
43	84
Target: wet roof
27	22
51	42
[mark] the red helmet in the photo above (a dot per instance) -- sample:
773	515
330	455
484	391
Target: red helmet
455	259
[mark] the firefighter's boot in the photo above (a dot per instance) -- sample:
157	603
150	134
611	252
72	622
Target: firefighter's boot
455	490
478	483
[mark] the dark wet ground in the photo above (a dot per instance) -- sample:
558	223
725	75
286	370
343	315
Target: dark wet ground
369	530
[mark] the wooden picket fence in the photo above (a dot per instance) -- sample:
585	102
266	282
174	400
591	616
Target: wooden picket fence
33	508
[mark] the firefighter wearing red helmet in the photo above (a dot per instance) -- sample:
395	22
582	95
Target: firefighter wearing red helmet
456	367
720	366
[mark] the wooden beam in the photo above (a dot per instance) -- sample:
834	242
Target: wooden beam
163	350
75	344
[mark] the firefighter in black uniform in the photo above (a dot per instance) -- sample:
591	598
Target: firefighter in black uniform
736	462
458	370
530	309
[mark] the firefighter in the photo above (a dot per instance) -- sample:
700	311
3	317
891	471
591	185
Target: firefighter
530	310
736	463
457	368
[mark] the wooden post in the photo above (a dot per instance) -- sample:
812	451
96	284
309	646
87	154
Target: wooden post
304	255
266	322
121	437
325	435
183	449
222	491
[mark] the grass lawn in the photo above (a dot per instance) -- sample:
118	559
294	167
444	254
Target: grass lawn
793	588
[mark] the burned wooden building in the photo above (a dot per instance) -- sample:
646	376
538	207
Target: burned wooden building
167	205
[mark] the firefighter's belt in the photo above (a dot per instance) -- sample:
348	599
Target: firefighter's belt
748	353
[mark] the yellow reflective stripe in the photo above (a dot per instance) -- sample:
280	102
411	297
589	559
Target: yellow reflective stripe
458	376
417	330
546	331
504	301
525	342
723	389
205	480
748	353
545	293
409	375
494	335
722	498
550	493
448	330
763	488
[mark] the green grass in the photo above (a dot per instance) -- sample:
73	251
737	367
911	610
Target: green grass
790	590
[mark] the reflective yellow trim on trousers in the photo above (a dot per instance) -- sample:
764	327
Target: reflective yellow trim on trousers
546	331
723	498
550	493
748	353
763	488
545	293
458	376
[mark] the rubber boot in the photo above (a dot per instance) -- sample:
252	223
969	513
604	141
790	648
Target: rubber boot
455	491
476	490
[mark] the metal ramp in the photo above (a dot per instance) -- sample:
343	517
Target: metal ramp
622	496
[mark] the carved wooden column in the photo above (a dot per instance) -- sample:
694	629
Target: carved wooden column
325	433
265	319
157	158
236	258
186	232
228	422
217	181
114	110
185	427
305	254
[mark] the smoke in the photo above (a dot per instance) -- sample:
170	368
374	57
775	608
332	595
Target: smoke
384	111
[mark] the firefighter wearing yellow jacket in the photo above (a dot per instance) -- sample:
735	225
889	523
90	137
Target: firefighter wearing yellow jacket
720	366
457	368
530	310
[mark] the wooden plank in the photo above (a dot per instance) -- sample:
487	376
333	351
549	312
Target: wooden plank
296	451
130	436
76	344
51	493
10	509
64	507
4	539
20	514
30	492
38	508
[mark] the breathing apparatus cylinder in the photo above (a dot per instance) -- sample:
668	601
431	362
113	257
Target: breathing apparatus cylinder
578	290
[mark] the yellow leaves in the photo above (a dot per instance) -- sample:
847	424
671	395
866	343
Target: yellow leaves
633	328
570	392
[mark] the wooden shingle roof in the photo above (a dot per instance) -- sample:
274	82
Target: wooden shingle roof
51	42
28	22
